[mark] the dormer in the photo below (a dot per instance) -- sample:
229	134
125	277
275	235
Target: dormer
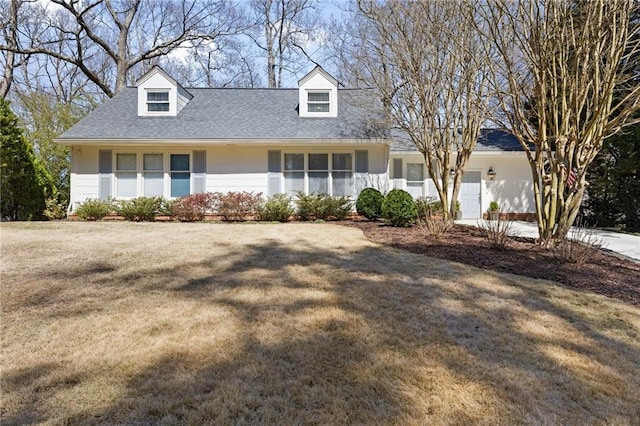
160	95
318	94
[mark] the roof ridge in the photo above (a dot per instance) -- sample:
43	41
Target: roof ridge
259	88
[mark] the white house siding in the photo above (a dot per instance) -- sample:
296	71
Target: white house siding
84	173
182	99
157	82
511	187
236	168
229	167
314	82
233	168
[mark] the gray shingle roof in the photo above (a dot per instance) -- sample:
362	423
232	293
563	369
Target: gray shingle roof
227	114
489	140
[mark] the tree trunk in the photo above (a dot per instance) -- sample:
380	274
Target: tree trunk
11	30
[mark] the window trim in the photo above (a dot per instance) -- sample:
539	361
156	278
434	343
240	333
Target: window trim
327	102
145	171
166	171
171	171
150	102
416	183
330	170
117	171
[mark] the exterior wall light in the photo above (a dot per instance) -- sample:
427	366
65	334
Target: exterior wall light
491	174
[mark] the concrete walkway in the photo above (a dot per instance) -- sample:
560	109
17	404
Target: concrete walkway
625	244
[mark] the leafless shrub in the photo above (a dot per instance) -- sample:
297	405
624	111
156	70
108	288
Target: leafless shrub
497	232
579	245
434	226
430	223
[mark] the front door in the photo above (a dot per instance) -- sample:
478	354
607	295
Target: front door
470	195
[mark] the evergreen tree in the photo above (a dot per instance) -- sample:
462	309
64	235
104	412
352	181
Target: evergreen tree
24	182
614	194
613	197
44	118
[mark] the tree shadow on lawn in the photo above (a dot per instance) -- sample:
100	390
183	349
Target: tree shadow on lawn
379	336
601	273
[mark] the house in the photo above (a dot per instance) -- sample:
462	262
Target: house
161	139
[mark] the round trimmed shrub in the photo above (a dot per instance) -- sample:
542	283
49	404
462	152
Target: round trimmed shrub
369	203
399	209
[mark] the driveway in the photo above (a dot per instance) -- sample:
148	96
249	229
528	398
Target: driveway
624	244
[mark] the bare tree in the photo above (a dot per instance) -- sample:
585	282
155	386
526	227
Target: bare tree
565	82
225	63
109	39
283	30
424	60
11	60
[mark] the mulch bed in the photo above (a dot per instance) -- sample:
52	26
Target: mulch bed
601	273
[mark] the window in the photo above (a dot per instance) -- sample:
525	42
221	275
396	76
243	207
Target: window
126	176
319	173
293	173
180	175
341	174
318	101
158	101
415	179
153	175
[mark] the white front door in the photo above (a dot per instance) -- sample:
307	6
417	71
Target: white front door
470	195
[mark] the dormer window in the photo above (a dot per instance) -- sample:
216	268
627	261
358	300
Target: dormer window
318	101
158	101
318	94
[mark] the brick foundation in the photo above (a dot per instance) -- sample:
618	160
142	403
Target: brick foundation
526	217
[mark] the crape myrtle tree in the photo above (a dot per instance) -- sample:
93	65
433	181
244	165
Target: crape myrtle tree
425	61
564	82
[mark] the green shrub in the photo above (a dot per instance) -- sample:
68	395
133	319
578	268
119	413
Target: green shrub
322	206
55	210
277	208
141	209
341	207
192	208
369	203
166	208
307	206
399	209
94	209
237	206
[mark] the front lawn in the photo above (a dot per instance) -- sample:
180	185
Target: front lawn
165	323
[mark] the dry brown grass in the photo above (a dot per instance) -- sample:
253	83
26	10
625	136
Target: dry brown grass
295	324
